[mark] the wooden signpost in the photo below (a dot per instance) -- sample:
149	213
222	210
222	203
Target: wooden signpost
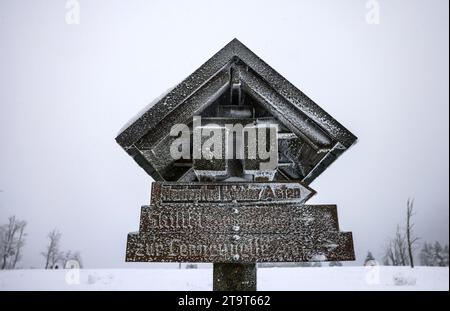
236	212
245	225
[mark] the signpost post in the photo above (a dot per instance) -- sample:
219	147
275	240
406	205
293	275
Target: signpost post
228	210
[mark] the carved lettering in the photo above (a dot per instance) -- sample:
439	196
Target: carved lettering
231	192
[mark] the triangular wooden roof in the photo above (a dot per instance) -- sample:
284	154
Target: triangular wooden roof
235	63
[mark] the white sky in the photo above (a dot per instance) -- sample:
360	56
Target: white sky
66	90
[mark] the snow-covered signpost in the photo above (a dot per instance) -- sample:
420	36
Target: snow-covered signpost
232	150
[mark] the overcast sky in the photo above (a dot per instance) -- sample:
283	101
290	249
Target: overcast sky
66	90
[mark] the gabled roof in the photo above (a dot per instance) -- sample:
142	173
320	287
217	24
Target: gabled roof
320	138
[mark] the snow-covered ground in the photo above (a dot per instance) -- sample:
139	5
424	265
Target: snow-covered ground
326	278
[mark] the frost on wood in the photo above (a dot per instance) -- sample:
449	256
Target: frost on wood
241	210
249	248
310	139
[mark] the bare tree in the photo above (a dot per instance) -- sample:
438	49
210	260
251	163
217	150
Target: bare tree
12	239
19	243
8	233
396	250
401	247
410	238
52	253
67	256
400	250
390	258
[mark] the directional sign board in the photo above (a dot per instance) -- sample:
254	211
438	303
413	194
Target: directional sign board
249	248
237	222
188	192
231	218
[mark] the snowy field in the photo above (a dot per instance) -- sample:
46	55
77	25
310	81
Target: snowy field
326	278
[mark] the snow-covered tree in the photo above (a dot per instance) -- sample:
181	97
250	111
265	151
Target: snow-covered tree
439	257
445	256
20	242
434	255
427	255
72	256
12	240
396	252
52	254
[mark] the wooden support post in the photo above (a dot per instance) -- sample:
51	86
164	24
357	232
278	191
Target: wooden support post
234	277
